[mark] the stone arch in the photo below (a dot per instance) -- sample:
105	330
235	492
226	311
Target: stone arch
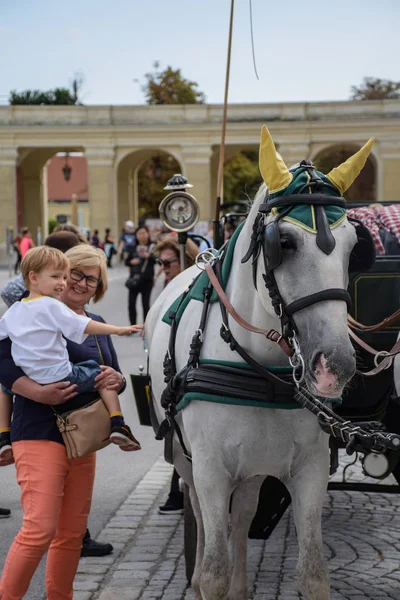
31	201
128	176
364	189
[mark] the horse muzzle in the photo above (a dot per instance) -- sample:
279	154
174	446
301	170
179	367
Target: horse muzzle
328	373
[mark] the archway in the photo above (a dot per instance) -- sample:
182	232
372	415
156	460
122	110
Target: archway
142	176
32	188
364	189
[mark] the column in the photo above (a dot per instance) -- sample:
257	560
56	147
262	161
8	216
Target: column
294	153
8	194
102	189
196	167
388	171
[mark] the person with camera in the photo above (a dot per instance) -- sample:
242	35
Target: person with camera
140	261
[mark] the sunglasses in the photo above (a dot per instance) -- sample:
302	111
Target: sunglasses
166	263
91	282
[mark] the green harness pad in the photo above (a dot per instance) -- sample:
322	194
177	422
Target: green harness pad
196	292
243	401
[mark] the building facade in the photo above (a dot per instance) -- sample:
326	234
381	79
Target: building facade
116	140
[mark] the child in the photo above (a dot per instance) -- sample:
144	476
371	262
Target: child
37	326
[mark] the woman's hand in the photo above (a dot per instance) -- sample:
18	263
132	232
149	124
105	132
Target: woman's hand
109	379
135	261
52	393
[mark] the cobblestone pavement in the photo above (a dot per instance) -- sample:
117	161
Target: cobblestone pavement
361	539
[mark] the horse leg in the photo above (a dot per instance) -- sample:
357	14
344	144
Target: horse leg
243	509
213	487
308	489
195	583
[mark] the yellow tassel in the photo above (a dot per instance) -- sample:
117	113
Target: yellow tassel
344	175
275	173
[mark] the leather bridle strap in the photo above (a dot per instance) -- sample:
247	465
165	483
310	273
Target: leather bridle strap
386	356
385	323
270	334
322	296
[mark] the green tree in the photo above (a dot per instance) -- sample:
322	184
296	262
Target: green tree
58	96
52	225
170	87
373	88
242	177
152	178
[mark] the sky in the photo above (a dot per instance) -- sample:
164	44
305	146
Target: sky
305	51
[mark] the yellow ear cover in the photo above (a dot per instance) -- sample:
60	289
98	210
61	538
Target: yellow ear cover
344	175
275	173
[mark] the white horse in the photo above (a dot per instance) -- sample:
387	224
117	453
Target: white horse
235	447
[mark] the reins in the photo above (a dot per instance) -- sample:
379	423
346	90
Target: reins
270	334
275	336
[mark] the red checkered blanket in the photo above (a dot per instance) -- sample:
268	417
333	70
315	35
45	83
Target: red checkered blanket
378	217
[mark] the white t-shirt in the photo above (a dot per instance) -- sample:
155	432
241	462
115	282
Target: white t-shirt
36	329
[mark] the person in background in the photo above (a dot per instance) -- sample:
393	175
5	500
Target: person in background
140	261
26	242
127	241
168	258
210	239
72	229
229	228
17	250
95	240
109	247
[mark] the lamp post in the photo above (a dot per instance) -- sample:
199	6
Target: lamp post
74	209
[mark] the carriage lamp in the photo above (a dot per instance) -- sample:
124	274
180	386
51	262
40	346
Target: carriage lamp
179	211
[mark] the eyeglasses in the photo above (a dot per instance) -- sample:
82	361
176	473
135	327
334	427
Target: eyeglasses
166	263
91	282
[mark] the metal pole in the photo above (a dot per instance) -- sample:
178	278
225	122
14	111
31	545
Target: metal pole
74	209
182	237
222	146
218	237
10	248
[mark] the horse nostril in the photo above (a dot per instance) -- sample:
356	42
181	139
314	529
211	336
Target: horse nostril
316	361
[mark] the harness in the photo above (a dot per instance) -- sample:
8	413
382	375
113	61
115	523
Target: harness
284	389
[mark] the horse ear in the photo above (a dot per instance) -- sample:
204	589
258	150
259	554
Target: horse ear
343	176
275	173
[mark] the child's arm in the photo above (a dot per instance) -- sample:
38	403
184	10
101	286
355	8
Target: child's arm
94	327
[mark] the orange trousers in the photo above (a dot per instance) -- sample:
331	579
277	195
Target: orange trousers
56	494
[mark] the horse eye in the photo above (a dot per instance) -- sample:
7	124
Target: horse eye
287	243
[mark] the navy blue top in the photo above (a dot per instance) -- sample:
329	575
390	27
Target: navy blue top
35	421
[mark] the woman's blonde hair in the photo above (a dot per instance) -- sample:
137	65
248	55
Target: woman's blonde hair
83	256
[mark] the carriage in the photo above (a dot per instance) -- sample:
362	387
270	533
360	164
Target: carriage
272	442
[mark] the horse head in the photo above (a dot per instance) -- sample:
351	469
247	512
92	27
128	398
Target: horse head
302	232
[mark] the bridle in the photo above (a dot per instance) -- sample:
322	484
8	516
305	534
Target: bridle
265	238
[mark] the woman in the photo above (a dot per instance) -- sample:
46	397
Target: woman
26	242
56	492
141	261
109	247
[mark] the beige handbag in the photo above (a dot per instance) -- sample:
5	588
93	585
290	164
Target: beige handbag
85	429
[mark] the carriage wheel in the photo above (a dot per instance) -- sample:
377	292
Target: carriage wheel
190	536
